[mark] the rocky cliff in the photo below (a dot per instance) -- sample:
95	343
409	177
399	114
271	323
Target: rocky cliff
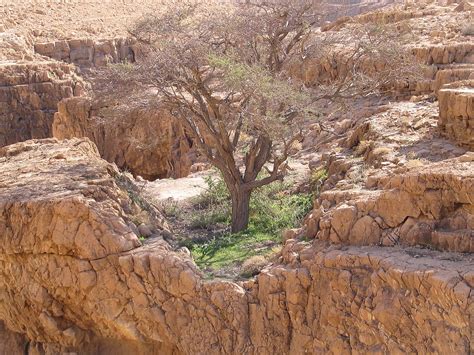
29	97
456	107
122	135
75	278
446	53
383	263
87	52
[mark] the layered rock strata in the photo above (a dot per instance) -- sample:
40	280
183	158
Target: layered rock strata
444	64
447	53
75	278
29	95
431	207
88	52
456	112
396	181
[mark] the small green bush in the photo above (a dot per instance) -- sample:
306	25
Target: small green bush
215	194
213	205
171	208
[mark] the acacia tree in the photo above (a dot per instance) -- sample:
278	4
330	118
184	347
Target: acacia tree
221	69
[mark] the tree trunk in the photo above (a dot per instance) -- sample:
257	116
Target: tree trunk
240	210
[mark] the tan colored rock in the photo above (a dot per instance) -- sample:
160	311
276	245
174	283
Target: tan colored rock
365	232
429	206
456	112
150	143
88	52
118	297
452	74
29	94
447	55
395	206
343	218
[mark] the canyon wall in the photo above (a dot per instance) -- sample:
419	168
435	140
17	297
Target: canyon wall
444	64
75	277
29	96
447	54
89	52
123	136
147	142
27	111
383	264
456	112
430	206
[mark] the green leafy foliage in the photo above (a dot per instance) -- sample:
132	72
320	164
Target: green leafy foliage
272	209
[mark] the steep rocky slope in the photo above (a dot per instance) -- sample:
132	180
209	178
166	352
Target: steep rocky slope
34	79
92	36
447	56
75	278
395	180
447	53
88	52
429	206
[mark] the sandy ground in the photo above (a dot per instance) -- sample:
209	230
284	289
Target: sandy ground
183	189
178	189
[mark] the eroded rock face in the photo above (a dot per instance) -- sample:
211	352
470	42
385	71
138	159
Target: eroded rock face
446	53
89	52
456	112
11	342
431	207
320	299
445	64
396	181
29	95
149	143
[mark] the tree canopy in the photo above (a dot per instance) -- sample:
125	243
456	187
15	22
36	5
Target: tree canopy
224	70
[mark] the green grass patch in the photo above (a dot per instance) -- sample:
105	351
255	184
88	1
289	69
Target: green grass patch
272	208
228	249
